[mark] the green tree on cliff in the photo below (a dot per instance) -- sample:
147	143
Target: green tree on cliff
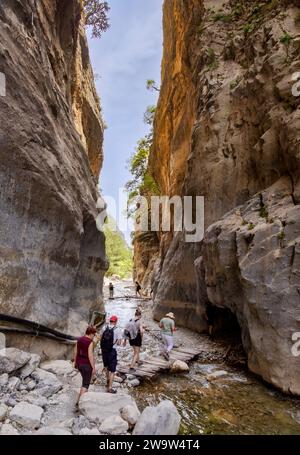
96	16
142	183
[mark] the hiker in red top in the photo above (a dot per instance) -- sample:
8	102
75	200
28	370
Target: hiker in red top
84	359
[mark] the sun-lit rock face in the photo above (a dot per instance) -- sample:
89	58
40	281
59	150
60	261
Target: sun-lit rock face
52	255
228	128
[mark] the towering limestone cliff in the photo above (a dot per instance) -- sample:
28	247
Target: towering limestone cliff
52	257
228	128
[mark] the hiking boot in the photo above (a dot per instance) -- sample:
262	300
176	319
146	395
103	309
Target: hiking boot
140	363
111	391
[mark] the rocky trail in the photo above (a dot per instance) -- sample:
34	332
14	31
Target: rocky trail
213	394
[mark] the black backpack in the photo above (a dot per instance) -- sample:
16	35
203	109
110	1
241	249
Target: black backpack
107	340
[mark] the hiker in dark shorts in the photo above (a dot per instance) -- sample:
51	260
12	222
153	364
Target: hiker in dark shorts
110	337
134	331
84	359
138	289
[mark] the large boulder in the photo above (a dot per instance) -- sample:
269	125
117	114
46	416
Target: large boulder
27	415
162	420
113	425
99	406
48	384
30	366
36	399
58	367
130	414
179	367
12	359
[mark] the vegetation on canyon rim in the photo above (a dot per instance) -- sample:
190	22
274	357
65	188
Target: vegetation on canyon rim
96	16
117	250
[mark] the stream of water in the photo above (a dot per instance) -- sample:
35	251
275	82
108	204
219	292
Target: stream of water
237	403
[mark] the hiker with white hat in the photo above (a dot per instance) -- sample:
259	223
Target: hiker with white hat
167	325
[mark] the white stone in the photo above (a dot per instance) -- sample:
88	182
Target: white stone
179	366
13	384
4	380
58	367
3	412
12	359
32	365
134	383
31	385
114	425
34	398
99	406
8	430
118	379
48	384
130	414
162	420
27	415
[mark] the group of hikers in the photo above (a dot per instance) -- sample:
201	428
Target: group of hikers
110	338
138	290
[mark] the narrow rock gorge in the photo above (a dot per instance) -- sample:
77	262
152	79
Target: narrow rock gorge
52	255
227	127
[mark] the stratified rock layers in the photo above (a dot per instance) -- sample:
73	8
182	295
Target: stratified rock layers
228	128
52	257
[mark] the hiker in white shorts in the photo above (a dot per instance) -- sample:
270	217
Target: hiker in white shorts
167	325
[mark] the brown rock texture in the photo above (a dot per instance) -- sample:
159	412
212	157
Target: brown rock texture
52	257
228	128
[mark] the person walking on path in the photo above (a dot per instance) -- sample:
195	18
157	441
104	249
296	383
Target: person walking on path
167	325
110	338
134	331
111	290
84	359
138	289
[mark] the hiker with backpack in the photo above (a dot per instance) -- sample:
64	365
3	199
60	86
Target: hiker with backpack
110	338
138	289
134	332
111	290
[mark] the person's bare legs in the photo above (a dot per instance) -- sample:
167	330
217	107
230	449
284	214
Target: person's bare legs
82	392
110	381
136	356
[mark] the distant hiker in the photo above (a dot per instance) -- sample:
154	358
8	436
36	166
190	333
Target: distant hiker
111	291
84	359
167	325
138	289
134	332
110	337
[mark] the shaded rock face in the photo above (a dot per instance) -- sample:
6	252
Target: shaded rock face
52	255
228	128
146	252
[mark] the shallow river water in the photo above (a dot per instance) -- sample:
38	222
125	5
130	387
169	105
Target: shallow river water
236	403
